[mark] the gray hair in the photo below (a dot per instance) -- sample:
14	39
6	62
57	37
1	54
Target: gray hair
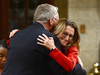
44	12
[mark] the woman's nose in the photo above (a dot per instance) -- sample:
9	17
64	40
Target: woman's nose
67	37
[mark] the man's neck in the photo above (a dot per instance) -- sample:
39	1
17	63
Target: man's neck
46	25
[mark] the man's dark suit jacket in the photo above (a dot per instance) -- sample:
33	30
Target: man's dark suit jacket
26	57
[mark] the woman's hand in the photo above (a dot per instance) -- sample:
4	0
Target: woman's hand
80	61
12	33
45	41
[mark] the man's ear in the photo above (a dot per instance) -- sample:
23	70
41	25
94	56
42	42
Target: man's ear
51	21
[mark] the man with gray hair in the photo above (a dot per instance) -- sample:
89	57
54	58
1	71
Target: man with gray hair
25	56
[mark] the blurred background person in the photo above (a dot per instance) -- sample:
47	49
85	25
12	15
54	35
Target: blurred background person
3	54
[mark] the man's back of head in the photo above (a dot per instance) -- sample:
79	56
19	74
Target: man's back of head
44	12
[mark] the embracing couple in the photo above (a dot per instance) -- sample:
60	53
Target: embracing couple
50	46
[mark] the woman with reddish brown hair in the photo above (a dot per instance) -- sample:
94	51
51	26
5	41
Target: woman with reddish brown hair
68	34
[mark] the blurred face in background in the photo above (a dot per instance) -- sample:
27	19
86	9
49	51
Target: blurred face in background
3	56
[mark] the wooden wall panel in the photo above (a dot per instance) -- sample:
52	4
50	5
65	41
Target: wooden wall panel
4	16
49	1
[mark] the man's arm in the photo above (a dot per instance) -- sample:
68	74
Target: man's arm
58	70
77	70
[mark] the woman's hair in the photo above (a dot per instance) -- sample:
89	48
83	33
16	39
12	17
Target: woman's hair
3	43
60	27
44	12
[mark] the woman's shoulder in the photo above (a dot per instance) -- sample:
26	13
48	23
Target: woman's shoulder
73	48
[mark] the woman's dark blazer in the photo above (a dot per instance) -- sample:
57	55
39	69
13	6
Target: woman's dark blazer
26	57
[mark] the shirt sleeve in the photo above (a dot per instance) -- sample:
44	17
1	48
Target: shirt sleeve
67	61
8	42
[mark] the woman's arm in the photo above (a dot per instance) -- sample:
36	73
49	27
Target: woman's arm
67	62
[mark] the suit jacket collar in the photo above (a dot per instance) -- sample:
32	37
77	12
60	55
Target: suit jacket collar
35	23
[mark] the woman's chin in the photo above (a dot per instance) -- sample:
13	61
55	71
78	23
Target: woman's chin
63	45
